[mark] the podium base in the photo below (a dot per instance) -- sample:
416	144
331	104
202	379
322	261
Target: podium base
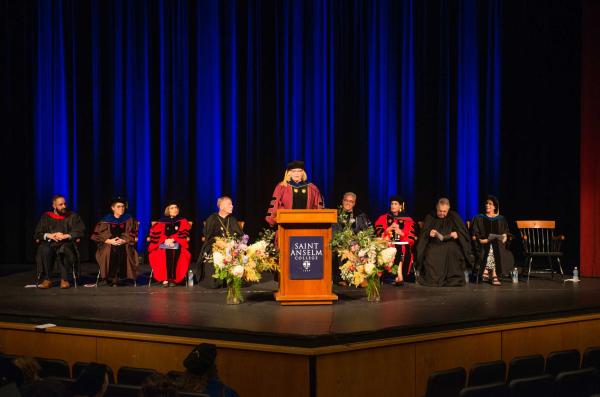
326	299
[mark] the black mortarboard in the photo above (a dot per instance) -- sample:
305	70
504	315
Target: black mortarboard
397	198
169	203
295	164
118	199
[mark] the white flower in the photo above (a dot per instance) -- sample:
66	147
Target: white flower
218	259
369	268
362	253
257	248
237	271
388	255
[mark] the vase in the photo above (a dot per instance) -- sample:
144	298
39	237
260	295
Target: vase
234	292
373	290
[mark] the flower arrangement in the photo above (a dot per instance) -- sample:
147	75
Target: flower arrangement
235	261
363	258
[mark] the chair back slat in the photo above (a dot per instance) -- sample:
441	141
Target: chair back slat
539	236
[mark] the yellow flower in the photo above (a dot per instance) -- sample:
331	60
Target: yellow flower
358	279
220	243
251	275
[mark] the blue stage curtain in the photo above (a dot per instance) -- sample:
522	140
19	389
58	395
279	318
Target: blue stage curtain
188	100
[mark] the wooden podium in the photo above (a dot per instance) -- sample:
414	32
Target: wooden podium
304	238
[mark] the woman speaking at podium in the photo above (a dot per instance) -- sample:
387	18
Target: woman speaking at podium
294	192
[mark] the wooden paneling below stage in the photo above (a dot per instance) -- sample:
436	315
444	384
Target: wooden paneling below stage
390	367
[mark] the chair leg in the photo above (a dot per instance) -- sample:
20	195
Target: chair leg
560	267
98	278
74	277
37	279
150	277
551	267
529	272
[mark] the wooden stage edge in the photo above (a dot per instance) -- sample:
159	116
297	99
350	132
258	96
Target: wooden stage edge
401	365
311	351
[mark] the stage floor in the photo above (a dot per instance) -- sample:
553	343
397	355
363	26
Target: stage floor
202	313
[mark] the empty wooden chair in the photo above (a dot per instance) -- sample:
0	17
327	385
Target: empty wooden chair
541	241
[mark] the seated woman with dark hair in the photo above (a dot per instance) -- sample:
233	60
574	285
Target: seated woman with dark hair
491	232
201	373
168	251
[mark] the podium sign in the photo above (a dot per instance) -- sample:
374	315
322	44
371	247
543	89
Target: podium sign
304	238
306	257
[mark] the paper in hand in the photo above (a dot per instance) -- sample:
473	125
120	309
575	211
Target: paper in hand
500	237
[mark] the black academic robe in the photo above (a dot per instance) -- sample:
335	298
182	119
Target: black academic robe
214	227
357	220
442	263
50	222
482	227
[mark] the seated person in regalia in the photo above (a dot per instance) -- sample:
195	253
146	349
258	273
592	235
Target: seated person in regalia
396	227
116	235
220	224
57	232
444	248
491	231
168	251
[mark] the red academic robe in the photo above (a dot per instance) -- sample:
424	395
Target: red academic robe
283	198
408	230
157	256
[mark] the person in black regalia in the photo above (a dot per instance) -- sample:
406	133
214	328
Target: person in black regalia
219	224
349	217
443	249
491	231
56	232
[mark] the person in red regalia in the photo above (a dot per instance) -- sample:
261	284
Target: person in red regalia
398	228
168	251
294	192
